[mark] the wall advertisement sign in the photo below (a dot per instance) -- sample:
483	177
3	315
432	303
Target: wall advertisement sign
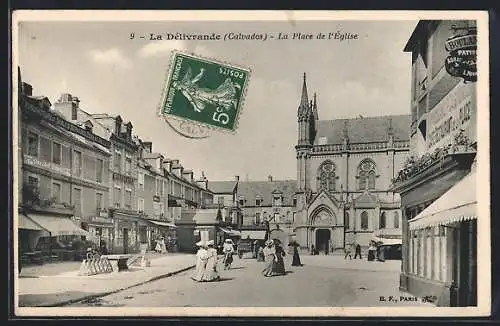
451	114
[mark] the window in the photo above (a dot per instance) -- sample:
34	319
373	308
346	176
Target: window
364	220
366	175
220	200
294	202
162	209
293	217
242	201
128	165
382	221
157	187
128	198
117	196
56	191
171	187
117	161
32	180
98	202
257	218
140	180
33	144
140	205
396	220
276	217
77	201
277	200
56	153
326	176
77	163
99	169
346	220
258	202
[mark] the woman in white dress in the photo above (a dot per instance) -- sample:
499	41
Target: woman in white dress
211	273
201	261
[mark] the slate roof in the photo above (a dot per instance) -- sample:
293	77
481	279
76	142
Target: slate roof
363	130
221	187
251	189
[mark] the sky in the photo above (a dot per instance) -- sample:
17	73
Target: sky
110	73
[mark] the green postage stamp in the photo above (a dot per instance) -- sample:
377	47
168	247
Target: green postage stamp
205	91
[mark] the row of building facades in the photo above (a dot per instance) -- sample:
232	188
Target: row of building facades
93	169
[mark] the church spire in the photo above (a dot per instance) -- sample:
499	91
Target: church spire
315	108
304	101
304	106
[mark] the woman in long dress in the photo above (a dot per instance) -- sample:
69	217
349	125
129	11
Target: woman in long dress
260	254
296	257
201	262
279	263
269	257
211	273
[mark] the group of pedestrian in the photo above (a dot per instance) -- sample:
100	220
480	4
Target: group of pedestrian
206	263
274	259
161	247
348	251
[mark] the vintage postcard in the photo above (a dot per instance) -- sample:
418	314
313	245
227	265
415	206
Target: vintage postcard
260	163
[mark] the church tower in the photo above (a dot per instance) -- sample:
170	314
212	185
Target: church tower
307	115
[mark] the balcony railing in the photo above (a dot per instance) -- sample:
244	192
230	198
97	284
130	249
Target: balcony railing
414	166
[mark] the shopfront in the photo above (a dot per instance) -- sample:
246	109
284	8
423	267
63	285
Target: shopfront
443	247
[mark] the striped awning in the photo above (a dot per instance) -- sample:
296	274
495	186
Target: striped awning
456	205
253	234
229	232
25	223
58	225
164	224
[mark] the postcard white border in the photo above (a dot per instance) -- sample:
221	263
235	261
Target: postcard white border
483	163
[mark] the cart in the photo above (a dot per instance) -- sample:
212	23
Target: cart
244	246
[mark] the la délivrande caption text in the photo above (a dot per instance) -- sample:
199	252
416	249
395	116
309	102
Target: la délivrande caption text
335	36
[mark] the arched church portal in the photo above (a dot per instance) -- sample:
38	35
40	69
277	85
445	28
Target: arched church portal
322	239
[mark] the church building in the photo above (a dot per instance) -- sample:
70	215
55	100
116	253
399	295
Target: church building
345	169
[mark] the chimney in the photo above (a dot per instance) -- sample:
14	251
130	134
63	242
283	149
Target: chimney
129	130
270	178
167	165
148	145
27	89
118	126
237	178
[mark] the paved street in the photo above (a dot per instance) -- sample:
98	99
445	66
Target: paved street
322	281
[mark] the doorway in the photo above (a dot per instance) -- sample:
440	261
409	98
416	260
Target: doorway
323	239
125	241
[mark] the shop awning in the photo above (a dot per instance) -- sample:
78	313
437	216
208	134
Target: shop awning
388	233
388	242
253	234
58	225
25	223
456	205
166	224
229	232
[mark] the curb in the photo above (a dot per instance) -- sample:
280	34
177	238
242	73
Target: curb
103	294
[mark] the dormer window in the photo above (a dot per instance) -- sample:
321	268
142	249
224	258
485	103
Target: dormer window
294	201
258	201
277	199
242	201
